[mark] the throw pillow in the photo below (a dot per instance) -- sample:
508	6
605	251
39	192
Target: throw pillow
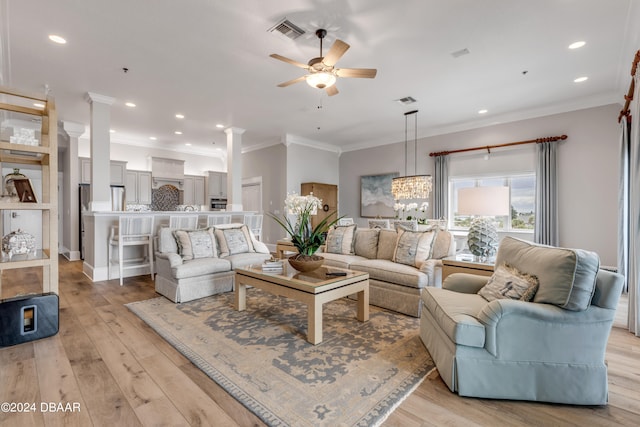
234	240
387	244
194	244
366	242
340	239
411	225
413	247
508	282
567	277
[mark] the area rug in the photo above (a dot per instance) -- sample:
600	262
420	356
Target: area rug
356	377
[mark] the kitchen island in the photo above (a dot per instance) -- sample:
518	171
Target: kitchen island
97	228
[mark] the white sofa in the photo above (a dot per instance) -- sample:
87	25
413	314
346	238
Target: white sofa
183	275
393	284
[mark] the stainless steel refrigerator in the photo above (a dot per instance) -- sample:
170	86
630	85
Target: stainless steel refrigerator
118	203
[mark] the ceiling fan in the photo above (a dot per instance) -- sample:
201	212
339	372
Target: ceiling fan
322	71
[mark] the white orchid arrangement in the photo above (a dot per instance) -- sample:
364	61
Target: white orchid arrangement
401	209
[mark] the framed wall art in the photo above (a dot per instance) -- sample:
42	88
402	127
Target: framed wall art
25	190
376	200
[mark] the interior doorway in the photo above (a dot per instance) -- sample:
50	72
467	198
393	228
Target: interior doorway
252	194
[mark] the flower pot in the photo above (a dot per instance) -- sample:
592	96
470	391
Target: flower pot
306	263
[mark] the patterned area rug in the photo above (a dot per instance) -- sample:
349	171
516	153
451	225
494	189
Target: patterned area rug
356	377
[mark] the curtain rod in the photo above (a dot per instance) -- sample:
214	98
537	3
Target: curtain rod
632	86
508	144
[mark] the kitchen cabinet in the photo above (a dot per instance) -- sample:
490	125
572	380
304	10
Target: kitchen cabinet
117	171
138	187
43	155
193	190
217	185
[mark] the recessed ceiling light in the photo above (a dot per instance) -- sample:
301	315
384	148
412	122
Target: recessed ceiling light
130	104
219	126
179	116
153	138
112	131
580	79
483	111
178	132
38	105
57	39
188	144
577	45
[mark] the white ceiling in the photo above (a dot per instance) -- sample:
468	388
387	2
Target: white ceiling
209	60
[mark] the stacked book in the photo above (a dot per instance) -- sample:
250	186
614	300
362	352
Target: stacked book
272	266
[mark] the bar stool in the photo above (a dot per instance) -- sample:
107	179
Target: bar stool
254	223
218	219
189	222
132	230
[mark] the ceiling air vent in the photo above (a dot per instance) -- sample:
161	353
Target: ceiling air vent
459	53
406	100
287	28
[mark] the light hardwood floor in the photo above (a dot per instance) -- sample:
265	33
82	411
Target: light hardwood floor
122	373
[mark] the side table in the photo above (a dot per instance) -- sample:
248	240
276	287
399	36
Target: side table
283	246
465	264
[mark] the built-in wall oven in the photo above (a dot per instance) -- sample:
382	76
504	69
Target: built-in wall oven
218	204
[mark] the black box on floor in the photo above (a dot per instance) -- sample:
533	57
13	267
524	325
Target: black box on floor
27	318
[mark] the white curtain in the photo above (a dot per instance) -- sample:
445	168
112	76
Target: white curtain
633	273
440	186
546	221
623	199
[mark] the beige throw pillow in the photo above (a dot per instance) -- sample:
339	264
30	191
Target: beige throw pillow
413	247
234	240
366	242
340	239
508	282
193	244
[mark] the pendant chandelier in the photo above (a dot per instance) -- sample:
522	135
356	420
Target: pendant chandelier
411	187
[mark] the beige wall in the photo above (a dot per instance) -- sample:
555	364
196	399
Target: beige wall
587	170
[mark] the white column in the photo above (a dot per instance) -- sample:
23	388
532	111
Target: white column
234	168
100	151
71	211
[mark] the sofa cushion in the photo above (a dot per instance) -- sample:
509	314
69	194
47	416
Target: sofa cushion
389	271
366	242
508	282
234	240
441	244
193	244
413	247
167	241
200	267
567	277
245	259
339	260
456	315
340	239
387	240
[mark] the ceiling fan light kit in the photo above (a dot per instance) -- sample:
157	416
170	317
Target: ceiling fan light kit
322	73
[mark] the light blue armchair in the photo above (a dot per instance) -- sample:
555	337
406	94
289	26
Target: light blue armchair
551	349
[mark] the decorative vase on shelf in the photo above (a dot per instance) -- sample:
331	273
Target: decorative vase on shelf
9	187
18	243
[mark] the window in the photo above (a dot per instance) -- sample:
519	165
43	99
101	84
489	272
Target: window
521	200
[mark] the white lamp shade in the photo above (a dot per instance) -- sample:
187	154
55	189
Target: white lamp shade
321	80
483	201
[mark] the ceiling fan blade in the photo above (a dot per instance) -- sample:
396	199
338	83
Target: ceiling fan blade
337	50
362	73
332	90
290	82
290	61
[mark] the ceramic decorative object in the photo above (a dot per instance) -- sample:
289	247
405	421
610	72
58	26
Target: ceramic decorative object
306	263
482	238
18	243
9	187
